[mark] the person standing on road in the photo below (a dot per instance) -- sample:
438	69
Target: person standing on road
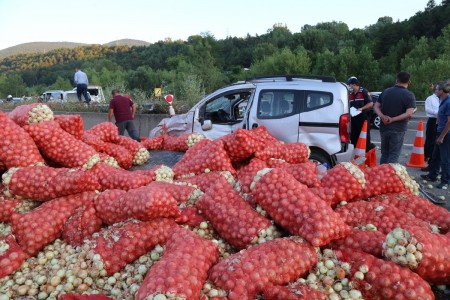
431	109
395	107
81	80
360	99
124	110
441	152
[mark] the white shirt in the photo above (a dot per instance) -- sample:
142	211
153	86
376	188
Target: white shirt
81	78
432	106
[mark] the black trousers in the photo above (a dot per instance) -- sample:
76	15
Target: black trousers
430	137
356	126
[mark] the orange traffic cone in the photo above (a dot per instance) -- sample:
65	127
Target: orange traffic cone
360	150
417	159
371	157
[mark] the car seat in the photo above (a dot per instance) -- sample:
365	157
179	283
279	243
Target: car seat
265	108
284	107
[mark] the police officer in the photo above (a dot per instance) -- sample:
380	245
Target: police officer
360	99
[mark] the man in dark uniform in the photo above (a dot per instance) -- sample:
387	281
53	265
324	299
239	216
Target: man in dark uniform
360	99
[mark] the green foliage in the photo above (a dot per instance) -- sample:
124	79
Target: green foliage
283	62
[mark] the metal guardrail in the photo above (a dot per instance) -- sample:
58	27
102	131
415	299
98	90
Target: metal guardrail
420	103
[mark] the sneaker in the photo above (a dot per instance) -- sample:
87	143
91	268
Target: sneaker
428	178
442	186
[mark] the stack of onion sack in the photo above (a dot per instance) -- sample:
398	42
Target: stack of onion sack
233	218
44	224
155	143
244	274
418	207
83	223
295	208
184	194
211	157
205	180
387	178
62	147
295	291
31	113
125	242
384	217
73	124
94	141
191	152
367	239
293	153
304	173
425	253
7	206
140	154
346	179
106	131
241	144
17	148
380	279
122	155
44	183
108	206
113	178
183	268
11	255
246	174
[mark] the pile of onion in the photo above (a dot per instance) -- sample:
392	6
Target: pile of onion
194	138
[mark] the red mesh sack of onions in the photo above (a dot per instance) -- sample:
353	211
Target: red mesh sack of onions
175	143
11	255
304	173
147	203
346	179
262	134
368	240
109	160
106	131
94	141
82	224
30	113
427	254
277	163
326	194
211	157
384	217
189	216
233	218
125	242
17	148
155	143
418	207
387	178
244	274
182	270
182	193
62	147
191	152
295	208
44	224
7	206
293	153
246	175
381	279
73	124
122	155
108	206
44	183
205	180
295	291
241	144
140	154
116	178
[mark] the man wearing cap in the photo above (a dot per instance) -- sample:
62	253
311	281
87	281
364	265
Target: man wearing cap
395	107
9	98
360	99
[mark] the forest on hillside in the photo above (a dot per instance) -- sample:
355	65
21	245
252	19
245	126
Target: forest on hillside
195	67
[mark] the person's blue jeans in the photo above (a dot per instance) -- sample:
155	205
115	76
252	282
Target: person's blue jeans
441	159
82	89
131	129
391	146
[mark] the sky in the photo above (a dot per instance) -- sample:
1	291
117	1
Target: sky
103	21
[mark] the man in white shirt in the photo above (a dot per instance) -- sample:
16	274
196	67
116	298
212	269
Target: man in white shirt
431	109
82	82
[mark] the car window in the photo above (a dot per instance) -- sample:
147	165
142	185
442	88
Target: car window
227	108
276	103
315	100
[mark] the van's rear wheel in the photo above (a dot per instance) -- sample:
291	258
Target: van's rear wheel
320	158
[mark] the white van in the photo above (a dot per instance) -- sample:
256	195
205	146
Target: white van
310	109
94	91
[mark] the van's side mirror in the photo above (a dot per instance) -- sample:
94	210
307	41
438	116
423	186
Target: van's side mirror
207	125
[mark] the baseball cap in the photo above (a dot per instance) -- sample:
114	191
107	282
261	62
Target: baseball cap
353	80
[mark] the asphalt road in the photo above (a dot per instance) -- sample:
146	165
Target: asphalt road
406	154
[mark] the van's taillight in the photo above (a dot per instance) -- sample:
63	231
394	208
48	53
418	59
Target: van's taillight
344	124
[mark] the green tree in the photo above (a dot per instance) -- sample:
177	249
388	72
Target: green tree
61	84
12	85
282	63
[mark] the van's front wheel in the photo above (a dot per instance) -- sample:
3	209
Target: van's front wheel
319	158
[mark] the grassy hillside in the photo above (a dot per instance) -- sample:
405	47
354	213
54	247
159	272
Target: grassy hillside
42	47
